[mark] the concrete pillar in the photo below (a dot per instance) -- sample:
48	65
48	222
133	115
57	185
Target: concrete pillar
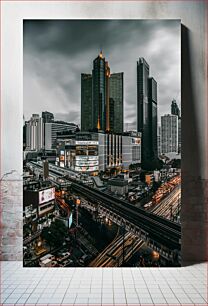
194	205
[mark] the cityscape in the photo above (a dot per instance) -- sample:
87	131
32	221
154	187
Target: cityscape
104	192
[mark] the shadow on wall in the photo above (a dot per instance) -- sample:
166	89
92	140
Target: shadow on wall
194	207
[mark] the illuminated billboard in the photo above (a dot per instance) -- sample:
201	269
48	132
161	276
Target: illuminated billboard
70	220
87	163
61	164
86	168
136	140
86	158
86	142
46	195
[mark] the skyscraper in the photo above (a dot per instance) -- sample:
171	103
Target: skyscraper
111	113
116	94
152	101
34	133
169	133
101	95
159	150
179	134
175	109
146	111
86	102
47	117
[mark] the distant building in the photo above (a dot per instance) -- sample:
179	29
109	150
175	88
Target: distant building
156	175
37	201
149	178
130	126
169	133
47	117
92	152
24	136
34	133
116	97
152	101
175	109
179	135
159	149
146	111
99	92
86	102
51	130
118	186
101	95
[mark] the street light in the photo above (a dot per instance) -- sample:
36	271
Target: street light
49	232
123	227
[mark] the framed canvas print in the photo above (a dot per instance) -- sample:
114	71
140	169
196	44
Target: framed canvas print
102	143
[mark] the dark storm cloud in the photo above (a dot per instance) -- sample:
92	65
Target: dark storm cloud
57	52
78	36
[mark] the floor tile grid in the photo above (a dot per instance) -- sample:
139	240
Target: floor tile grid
127	285
181	284
189	282
19	284
152	283
23	287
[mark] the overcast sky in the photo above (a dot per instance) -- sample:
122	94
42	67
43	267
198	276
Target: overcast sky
56	52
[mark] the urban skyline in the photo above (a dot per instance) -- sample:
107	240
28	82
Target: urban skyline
89	190
52	70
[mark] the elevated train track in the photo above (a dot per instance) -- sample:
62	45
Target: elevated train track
157	228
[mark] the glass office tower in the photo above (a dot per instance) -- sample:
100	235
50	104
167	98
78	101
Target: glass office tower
86	102
142	107
146	111
102	98
152	96
116	95
99	93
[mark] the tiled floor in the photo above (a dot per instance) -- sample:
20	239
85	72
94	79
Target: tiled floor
91	286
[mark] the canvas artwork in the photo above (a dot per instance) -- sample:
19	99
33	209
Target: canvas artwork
102	143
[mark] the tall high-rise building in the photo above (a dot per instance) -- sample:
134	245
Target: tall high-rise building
112	111
130	126
169	133
146	111
47	117
101	94
86	102
152	101
179	134
34	133
175	109
116	96
159	150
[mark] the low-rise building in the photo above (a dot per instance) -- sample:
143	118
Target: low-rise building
97	151
149	178
37	201
118	186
